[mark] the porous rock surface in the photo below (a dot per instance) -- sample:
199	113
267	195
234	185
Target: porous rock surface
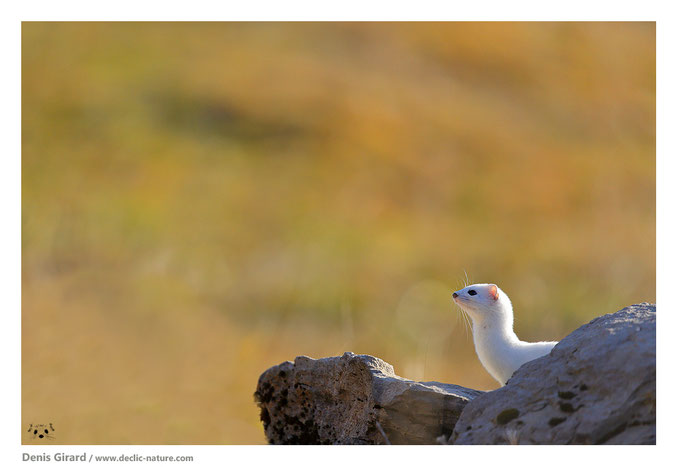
354	399
597	386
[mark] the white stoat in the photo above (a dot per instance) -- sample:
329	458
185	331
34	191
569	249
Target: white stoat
498	348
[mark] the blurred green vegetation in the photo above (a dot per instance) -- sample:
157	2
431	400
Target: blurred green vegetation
204	200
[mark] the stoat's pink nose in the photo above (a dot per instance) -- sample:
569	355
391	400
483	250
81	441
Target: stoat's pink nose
454	295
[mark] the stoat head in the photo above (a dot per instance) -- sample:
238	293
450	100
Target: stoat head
484	302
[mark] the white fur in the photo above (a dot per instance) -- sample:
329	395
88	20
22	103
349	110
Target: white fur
498	348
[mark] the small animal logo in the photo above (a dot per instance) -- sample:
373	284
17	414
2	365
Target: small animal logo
42	431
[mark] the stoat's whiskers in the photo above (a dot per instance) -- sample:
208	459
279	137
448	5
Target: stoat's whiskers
464	316
468	323
466	319
456	321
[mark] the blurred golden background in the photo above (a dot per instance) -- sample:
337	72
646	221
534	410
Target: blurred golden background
202	201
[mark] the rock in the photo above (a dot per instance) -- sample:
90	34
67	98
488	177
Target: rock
597	386
354	399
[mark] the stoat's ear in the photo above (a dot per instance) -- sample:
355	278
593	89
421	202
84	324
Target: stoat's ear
494	292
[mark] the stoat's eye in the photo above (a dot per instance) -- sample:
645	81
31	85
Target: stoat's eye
472	292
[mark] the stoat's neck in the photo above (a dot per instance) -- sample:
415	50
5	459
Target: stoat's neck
498	348
493	331
496	330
